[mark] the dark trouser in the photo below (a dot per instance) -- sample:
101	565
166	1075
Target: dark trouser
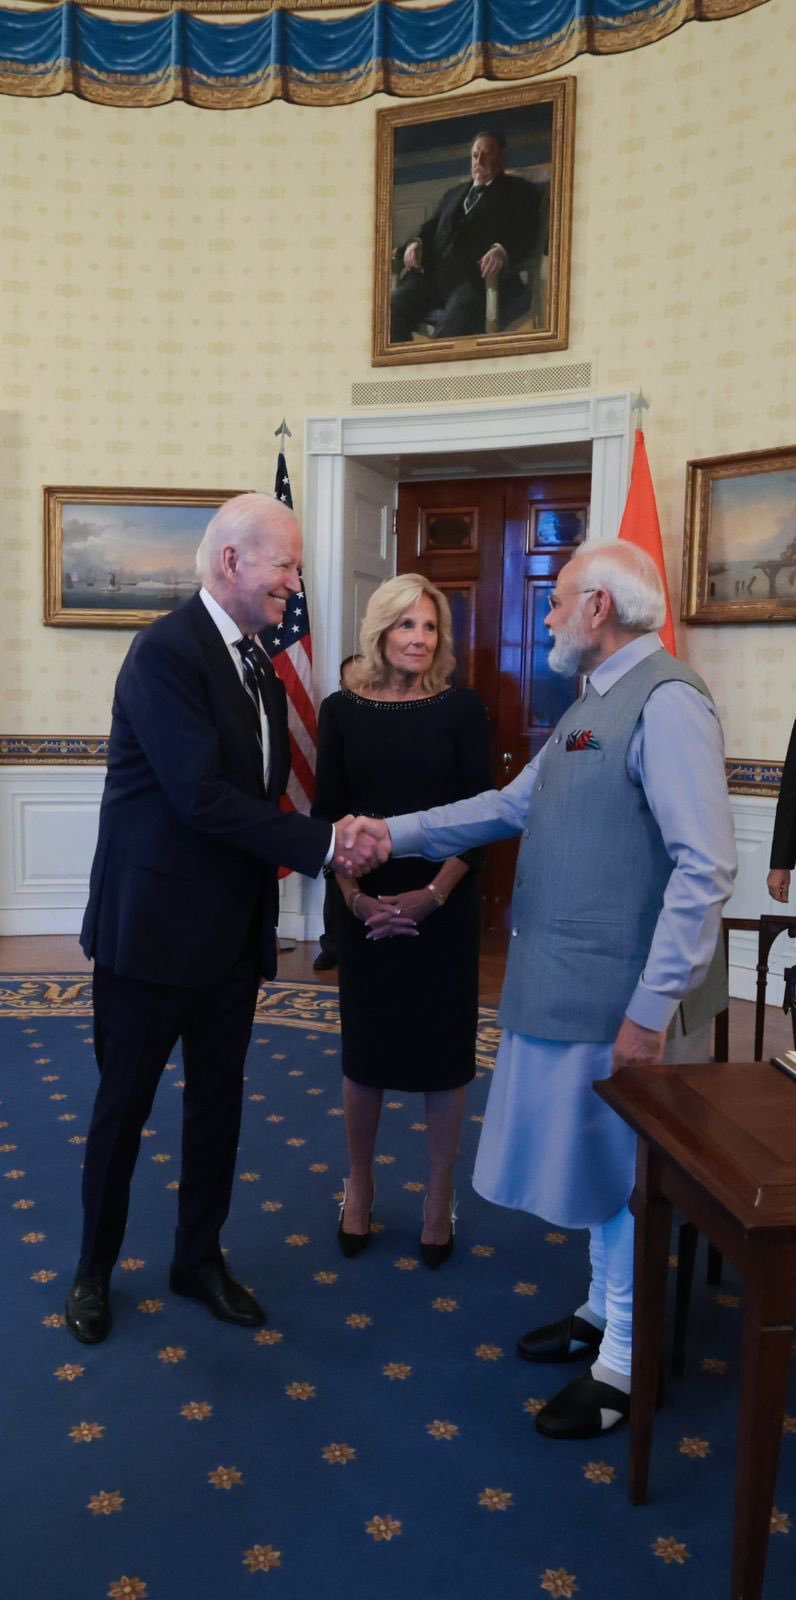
136	1026
462	311
328	939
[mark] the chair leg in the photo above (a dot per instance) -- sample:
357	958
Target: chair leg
714	1265
686	1254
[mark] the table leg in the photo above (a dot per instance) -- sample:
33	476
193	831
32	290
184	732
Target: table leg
765	1371
653	1216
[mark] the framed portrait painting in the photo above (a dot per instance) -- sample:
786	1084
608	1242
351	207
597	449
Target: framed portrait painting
119	558
739	551
473	225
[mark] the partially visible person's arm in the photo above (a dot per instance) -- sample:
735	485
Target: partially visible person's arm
783	843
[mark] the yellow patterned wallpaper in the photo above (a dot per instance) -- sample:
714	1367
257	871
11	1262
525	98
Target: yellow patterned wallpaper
174	280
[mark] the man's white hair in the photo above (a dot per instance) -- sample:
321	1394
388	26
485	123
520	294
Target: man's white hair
244	521
632	580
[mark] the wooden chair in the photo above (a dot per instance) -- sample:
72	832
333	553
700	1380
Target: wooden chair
768	929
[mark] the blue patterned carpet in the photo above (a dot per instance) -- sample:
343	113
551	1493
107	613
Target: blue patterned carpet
375	1440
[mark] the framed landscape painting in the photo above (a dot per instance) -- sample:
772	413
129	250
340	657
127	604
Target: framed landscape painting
119	558
739	551
473	225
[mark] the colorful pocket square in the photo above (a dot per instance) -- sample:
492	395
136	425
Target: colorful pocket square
582	739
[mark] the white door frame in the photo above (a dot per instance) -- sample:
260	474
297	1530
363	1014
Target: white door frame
328	441
602	419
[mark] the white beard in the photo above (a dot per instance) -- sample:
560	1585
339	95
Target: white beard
567	653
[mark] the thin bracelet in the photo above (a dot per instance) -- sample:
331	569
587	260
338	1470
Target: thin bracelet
352	904
432	889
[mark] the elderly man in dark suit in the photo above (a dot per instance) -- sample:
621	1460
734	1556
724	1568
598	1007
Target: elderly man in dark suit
183	904
479	234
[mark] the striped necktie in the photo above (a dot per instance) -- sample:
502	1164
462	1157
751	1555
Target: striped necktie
256	668
472	197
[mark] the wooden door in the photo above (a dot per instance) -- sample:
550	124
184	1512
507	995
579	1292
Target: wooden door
495	547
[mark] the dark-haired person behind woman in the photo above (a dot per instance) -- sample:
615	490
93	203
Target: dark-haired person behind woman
401	737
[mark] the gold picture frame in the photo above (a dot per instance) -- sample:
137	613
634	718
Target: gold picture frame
422	167
739	548
119	558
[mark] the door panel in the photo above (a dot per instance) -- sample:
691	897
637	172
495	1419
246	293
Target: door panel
495	547
369	547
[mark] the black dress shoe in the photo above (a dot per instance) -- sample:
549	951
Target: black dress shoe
214	1287
567	1340
577	1412
88	1313
325	961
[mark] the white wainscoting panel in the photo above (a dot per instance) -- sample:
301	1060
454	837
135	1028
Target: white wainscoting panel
48	829
754	824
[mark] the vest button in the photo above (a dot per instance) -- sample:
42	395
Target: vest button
558	738
518	882
540	786
514	932
527	833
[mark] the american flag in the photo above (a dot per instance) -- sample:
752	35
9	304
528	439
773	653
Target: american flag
290	649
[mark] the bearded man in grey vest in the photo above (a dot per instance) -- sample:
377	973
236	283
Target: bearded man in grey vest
627	857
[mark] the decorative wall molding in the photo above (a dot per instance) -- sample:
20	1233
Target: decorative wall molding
69	750
52	750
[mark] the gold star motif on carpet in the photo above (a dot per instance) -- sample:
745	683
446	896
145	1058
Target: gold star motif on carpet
69	1372
442	1430
150	1308
397	1370
262	1558
225	1477
671	1551
696	1448
128	1589
444	1304
780	1521
489	1352
87	1432
339	1454
300	1391
358	1319
558	1582
106	1502
325	1277
171	1354
495	1499
383	1529
268	1336
196	1411
599	1472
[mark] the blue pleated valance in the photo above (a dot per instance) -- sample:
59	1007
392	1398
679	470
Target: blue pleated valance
314	60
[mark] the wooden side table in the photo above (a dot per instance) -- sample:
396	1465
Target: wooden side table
719	1143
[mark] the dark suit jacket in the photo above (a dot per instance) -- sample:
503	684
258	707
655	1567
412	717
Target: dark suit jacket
508	213
185	870
783	844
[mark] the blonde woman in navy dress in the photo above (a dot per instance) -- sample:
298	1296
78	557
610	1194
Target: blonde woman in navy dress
402	737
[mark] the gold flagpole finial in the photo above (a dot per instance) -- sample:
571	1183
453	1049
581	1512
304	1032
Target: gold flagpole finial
638	405
284	430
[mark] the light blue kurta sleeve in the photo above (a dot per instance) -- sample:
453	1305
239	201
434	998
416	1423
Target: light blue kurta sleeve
677	756
448	830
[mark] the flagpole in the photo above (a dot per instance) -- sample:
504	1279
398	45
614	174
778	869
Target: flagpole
638	405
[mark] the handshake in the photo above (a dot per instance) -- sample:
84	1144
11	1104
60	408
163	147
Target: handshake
360	844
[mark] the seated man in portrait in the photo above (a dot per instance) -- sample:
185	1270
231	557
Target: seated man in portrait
480	234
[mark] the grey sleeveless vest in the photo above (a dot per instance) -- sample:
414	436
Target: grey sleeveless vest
591	874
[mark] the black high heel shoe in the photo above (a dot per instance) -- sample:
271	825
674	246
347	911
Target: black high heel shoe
352	1244
435	1255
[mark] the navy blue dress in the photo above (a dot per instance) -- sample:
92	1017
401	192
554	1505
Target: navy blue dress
408	1007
